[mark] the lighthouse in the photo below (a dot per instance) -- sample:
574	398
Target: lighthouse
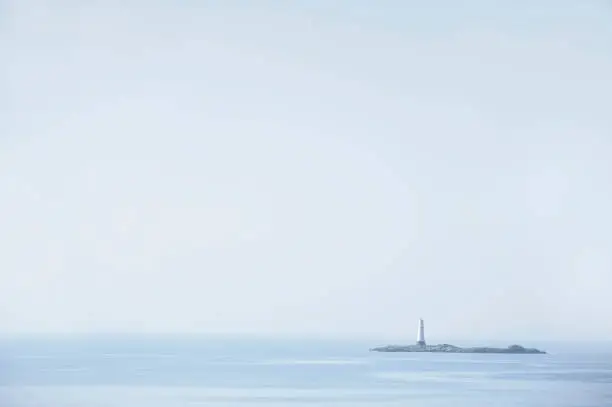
421	334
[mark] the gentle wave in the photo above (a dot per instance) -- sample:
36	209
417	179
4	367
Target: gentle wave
313	362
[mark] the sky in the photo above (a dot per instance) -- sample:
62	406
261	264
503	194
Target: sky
307	168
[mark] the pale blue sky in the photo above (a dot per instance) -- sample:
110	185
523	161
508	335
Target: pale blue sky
307	168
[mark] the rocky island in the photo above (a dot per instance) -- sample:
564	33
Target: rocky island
517	349
421	346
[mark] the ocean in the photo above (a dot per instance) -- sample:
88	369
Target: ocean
157	371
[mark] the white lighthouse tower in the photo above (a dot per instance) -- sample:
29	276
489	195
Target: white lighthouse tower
421	334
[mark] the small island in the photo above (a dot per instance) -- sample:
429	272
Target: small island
421	346
446	348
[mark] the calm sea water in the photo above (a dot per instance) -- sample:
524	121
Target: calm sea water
164	372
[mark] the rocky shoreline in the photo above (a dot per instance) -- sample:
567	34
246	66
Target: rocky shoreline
446	348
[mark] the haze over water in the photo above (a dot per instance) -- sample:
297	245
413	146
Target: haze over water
317	168
307	169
